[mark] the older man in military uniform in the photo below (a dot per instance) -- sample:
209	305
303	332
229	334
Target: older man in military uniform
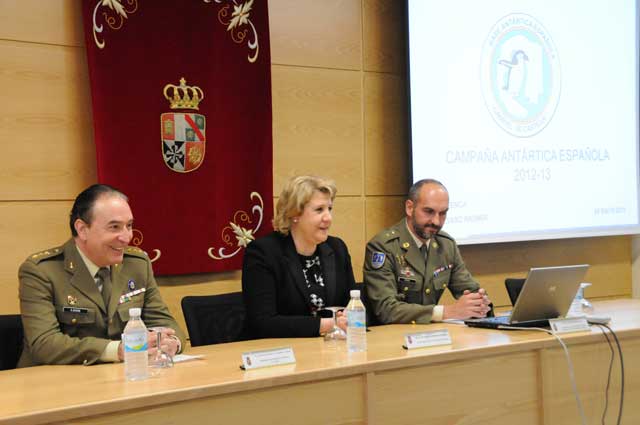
75	299
409	265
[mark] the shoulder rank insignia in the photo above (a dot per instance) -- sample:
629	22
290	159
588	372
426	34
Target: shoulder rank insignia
377	259
134	250
389	235
37	257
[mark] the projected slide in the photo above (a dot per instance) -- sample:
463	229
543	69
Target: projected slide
528	112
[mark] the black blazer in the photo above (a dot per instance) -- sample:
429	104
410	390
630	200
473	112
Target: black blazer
275	292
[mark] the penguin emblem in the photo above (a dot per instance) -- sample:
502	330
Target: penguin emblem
515	75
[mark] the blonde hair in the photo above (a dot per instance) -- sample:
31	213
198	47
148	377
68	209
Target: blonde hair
296	193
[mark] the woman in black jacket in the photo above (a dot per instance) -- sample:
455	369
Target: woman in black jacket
292	273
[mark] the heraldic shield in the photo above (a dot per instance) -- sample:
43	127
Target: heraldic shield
183	140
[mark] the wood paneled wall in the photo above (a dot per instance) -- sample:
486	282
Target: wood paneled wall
339	110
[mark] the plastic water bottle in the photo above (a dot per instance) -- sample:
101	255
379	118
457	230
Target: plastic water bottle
356	323
580	307
134	339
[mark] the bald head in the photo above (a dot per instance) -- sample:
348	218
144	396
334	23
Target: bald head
414	190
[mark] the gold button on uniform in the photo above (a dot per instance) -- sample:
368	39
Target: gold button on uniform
406	288
74	321
444	286
427	291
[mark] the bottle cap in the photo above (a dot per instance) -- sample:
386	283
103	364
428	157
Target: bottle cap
136	311
355	293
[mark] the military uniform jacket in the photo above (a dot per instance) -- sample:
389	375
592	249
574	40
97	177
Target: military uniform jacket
64	317
400	286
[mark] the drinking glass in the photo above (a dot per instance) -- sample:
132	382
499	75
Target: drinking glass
336	333
161	359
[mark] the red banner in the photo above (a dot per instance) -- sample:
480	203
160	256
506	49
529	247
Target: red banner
181	93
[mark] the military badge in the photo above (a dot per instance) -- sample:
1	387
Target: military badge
377	259
131	284
183	134
71	300
407	272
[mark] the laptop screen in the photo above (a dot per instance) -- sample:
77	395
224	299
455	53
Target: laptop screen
548	292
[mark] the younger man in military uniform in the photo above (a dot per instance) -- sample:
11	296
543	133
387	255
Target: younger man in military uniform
409	265
75	299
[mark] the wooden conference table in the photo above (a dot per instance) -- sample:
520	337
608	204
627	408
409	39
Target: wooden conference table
484	377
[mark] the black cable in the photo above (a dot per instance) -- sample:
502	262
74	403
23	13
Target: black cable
606	391
615	337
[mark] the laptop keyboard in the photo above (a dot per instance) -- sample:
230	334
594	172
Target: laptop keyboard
502	320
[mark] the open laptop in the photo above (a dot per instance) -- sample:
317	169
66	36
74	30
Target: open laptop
546	294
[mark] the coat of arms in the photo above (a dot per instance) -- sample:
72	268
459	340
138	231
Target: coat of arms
183	133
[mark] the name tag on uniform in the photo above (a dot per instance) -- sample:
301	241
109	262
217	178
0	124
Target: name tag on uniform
76	310
406	280
427	339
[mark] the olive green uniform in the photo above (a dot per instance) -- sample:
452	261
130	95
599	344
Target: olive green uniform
63	313
402	287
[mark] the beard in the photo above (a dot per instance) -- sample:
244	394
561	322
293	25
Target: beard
422	232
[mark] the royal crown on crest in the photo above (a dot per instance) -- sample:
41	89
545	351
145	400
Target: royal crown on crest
183	96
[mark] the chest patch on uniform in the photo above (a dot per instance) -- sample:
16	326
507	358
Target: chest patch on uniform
377	259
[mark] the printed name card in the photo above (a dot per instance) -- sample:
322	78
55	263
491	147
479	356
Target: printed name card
266	358
569	324
427	339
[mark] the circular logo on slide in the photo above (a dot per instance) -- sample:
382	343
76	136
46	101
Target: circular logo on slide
520	75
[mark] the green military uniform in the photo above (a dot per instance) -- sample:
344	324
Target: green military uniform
63	313
401	286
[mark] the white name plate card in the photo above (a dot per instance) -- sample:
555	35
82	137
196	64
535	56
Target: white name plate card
179	358
427	339
569	324
267	358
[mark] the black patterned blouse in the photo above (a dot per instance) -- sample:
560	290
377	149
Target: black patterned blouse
312	271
